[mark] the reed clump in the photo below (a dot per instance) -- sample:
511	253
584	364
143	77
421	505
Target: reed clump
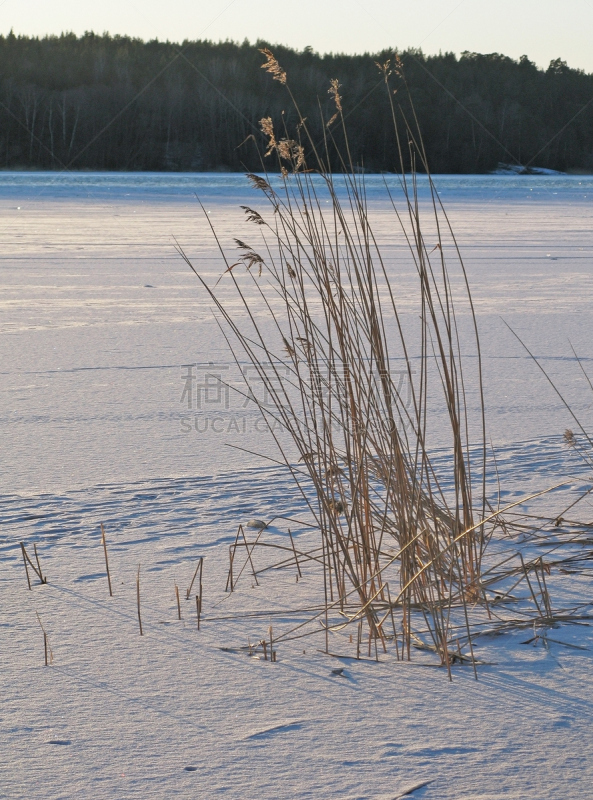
354	377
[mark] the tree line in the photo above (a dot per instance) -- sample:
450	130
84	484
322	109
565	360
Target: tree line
117	103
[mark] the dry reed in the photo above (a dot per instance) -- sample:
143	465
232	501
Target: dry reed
383	508
178	602
36	568
138	600
47	651
106	559
199	569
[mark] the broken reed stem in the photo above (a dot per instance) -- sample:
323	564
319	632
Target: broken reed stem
296	560
526	573
25	563
178	603
547	602
37	560
199	597
200	582
47	651
138	600
36	569
232	551
229	580
106	559
272	654
198	568
248	555
187	594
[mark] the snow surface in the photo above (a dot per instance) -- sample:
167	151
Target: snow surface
519	169
100	321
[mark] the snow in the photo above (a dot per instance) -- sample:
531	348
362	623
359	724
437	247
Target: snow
100	321
519	169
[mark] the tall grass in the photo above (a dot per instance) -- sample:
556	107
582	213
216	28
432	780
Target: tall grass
322	326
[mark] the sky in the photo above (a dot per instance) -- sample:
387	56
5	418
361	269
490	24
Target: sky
541	29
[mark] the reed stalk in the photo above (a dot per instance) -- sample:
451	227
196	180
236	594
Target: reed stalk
138	600
178	602
106	559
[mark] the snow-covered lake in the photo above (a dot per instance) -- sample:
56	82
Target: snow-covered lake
99	315
101	321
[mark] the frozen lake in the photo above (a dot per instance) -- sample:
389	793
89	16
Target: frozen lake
101	320
99	315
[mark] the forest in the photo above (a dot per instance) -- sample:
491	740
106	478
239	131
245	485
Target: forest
106	102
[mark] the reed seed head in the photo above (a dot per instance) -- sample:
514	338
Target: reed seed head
267	127
334	91
253	216
249	257
257	182
272	66
570	440
337	507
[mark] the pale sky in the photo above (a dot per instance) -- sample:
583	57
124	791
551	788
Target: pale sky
541	29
